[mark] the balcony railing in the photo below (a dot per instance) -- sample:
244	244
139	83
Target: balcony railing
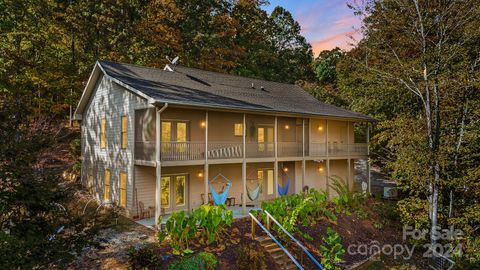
182	151
317	150
290	149
358	149
337	149
179	151
259	150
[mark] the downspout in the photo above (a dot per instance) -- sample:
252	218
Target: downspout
158	167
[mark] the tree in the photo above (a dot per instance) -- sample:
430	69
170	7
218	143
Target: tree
423	52
325	65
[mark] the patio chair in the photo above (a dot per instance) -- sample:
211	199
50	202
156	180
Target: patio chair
210	199
143	212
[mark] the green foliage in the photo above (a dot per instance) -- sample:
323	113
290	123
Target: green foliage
75	147
414	212
31	198
143	258
212	220
304	208
332	250
181	228
249	257
325	65
201	261
346	199
209	220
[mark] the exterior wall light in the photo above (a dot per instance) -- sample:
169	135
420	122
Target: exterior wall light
200	174
287	127
285	169
203	124
320	168
320	128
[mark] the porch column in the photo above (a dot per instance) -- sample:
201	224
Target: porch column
205	168
158	167
368	159
303	153
349	173
275	164
328	159
244	167
348	138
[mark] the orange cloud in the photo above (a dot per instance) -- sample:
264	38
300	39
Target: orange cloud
342	40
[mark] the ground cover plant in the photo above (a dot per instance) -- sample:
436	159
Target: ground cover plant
200	261
207	222
305	208
332	250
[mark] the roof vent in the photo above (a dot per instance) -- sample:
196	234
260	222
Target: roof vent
253	86
263	88
172	62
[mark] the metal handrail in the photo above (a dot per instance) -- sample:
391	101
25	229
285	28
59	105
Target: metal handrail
276	241
295	240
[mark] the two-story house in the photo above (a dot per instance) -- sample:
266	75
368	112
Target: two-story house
160	139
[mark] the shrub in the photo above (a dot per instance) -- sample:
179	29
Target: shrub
332	250
305	208
212	221
414	212
142	258
250	258
181	227
346	198
201	261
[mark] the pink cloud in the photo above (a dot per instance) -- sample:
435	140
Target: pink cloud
342	40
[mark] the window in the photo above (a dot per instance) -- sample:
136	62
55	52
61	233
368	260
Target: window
103	138
174	136
269	182
124	132
106	182
123	189
238	129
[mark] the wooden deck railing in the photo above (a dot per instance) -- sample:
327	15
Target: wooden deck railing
182	151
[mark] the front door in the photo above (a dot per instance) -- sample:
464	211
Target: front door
173	189
265	137
268	183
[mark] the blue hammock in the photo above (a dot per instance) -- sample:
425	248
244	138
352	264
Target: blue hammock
283	190
222	197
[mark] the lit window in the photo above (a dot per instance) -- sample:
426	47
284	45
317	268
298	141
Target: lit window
123	189
238	129
106	190
103	138
124	132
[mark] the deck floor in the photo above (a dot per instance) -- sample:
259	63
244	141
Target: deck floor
237	213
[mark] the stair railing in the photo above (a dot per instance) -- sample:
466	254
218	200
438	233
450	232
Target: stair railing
274	239
270	217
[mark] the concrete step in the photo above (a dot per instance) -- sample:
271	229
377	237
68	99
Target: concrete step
275	250
270	246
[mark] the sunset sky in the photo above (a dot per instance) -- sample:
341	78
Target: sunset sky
325	23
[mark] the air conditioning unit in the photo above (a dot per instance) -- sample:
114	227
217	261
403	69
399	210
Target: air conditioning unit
390	192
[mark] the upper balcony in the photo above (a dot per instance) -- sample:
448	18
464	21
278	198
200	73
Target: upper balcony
191	135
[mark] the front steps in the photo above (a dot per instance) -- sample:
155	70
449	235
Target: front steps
276	253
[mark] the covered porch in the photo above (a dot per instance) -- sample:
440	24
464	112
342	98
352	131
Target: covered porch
182	188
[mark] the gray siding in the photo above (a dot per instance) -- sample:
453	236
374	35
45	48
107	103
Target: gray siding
111	101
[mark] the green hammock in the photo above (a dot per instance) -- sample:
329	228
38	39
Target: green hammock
254	193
